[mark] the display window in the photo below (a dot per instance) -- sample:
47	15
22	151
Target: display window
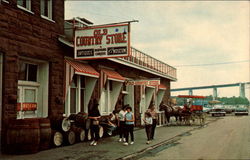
32	92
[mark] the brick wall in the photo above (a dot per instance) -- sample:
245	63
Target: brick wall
23	34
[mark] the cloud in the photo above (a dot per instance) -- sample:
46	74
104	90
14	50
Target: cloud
183	32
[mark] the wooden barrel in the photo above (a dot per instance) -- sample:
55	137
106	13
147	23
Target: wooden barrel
45	133
23	136
80	120
61	124
79	133
72	116
101	131
56	138
69	137
89	134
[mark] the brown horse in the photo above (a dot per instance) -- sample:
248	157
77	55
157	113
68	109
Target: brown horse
182	115
171	111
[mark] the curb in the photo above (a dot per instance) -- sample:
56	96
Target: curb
168	141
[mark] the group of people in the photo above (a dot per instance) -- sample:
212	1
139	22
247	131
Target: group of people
124	121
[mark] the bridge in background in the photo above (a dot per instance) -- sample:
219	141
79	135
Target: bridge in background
242	88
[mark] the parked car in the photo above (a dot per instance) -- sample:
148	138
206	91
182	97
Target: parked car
228	110
241	111
218	112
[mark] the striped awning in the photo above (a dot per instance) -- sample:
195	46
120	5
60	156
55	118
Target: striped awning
83	68
113	75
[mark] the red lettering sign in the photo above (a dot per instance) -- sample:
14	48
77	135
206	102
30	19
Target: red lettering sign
114	39
26	106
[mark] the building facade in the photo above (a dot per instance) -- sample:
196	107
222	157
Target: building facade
31	60
110	86
40	79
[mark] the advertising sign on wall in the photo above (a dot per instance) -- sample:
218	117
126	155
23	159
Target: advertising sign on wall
102	41
149	82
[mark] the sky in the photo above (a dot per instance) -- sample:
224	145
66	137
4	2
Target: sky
208	42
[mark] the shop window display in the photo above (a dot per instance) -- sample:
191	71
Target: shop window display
32	90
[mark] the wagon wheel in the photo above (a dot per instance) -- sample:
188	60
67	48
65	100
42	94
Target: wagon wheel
192	118
203	119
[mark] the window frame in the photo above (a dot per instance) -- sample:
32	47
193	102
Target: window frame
26	81
5	1
41	88
49	10
78	97
27	8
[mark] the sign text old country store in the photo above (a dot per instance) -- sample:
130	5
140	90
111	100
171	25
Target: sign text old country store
102	42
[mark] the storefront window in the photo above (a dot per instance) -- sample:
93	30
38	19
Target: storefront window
109	96
82	96
76	97
27	72
73	95
32	93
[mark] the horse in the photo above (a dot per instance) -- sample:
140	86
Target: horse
171	111
182	115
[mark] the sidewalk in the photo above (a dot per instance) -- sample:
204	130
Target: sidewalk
107	149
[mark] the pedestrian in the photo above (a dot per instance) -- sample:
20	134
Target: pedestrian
110	124
121	124
129	125
148	120
153	112
94	116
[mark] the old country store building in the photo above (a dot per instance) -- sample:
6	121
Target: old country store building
106	79
41	81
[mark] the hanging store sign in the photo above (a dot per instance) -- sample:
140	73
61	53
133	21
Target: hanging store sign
144	82
102	41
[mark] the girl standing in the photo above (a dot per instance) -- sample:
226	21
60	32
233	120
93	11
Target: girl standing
121	124
148	125
94	115
129	124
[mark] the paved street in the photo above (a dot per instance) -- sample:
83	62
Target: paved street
221	138
108	148
227	138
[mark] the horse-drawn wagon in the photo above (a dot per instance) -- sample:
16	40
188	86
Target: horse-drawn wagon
191	111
